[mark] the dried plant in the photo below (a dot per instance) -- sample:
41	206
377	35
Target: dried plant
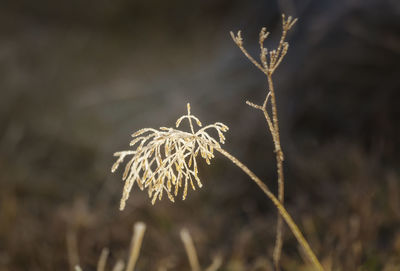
101	264
192	254
138	233
190	250
269	61
165	159
139	229
187	146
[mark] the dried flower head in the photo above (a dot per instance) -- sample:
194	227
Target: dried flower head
165	159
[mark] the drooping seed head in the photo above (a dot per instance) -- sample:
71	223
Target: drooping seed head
164	160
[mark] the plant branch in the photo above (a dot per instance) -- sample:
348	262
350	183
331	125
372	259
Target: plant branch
270	60
279	165
285	215
239	42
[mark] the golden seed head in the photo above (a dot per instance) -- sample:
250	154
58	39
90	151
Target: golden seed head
164	160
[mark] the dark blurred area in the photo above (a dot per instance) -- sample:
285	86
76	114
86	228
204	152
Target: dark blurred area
78	77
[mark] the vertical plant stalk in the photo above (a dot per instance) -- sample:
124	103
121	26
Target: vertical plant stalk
190	250
138	232
269	61
281	209
281	183
101	264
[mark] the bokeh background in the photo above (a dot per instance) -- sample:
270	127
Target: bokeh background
78	77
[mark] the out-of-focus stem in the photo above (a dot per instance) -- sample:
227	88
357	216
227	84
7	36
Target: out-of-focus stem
138	232
101	265
119	266
190	250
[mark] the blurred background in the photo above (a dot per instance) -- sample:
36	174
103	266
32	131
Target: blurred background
78	77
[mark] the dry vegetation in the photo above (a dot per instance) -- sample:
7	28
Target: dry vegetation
269	62
166	158
163	159
339	143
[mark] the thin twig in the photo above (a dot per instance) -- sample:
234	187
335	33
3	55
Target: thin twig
239	41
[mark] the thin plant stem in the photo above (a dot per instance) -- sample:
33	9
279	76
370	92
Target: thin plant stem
101	265
273	126
138	232
279	165
190	250
269	61
285	215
